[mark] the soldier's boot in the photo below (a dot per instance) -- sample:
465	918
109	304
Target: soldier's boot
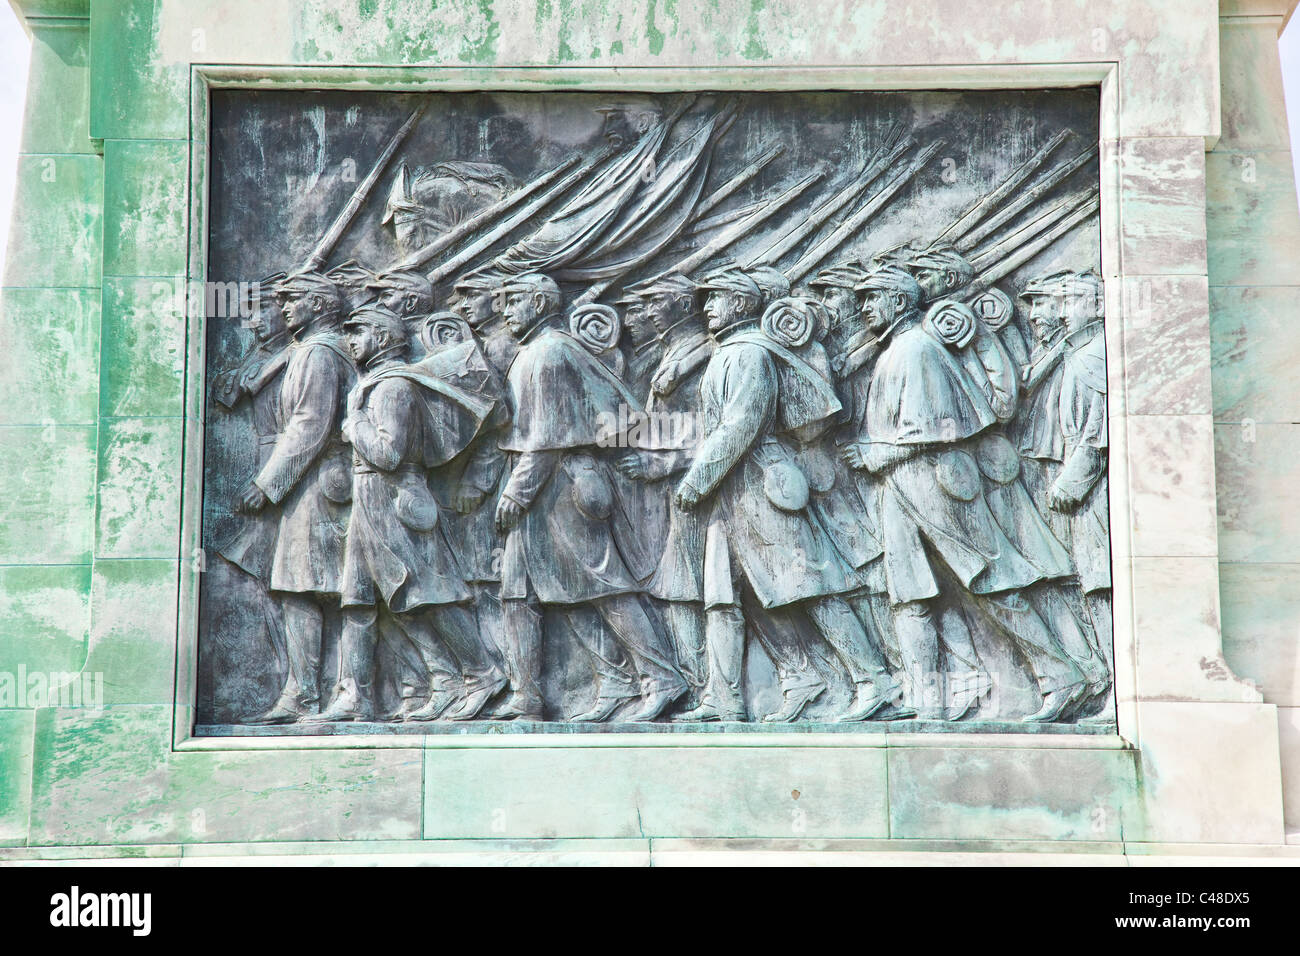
918	645
454	626
1099	708
875	688
616	685
724	644
1059	680
522	649
661	682
686	625
965	679
300	697
352	698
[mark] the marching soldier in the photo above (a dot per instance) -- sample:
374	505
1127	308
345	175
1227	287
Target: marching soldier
926	415
674	410
308	476
401	420
765	559
569	543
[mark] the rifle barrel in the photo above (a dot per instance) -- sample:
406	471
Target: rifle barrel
984	206
1019	237
828	245
801	230
359	196
1033	248
711	201
1025	199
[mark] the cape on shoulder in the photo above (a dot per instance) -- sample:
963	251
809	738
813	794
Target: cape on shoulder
562	396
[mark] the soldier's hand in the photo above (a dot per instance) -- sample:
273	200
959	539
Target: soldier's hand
1058	500
467	498
686	497
509	512
633	466
853	456
251	501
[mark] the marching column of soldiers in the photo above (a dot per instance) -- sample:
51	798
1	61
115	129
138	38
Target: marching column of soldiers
862	471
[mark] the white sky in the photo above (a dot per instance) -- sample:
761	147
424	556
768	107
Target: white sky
15	53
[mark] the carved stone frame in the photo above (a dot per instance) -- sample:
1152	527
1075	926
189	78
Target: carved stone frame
404	80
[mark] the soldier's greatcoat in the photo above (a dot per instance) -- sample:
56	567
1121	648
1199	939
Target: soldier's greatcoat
675	398
407	422
309	470
923	395
1083	426
783	555
576	541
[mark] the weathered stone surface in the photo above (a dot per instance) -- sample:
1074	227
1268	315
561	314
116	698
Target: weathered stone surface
1259	518
1251	219
1162	205
137	511
110	777
1210	772
695	792
54	235
1254	340
144	208
48	484
49	370
1171	471
15	774
57	118
1261	605
1167	343
134	648
44	619
1024	794
143	362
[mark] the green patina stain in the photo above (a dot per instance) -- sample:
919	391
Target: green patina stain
755	49
367	8
483	49
653	34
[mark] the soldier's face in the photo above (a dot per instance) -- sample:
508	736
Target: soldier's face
521	312
363	342
1045	317
933	282
842	306
663	310
267	321
472	305
396	301
722	308
298	310
1079	310
879	308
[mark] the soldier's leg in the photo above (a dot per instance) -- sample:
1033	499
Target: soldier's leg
1099	612
353	697
777	632
454	627
874	686
918	644
661	682
965	679
303	622
872	609
1059	680
491	626
686	623
613	678
1057	613
724	642
522	630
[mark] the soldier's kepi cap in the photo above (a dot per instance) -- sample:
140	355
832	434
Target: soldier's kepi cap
674	283
771	282
942	258
891	279
1048	285
300	283
531	282
730	279
407	280
479	280
377	317
845	275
